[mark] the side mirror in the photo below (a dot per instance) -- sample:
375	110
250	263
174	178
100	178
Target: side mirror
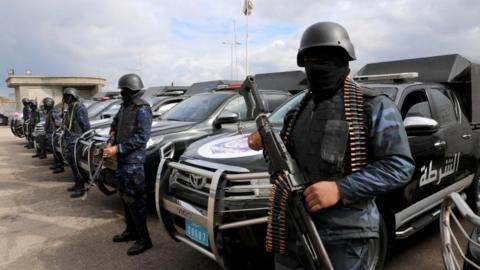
225	118
417	125
105	116
156	115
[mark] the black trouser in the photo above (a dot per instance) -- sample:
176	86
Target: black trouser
351	254
42	146
131	188
71	161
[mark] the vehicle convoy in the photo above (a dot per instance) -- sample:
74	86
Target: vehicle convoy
214	196
217	109
89	146
94	110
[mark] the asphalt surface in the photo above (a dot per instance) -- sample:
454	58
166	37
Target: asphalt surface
42	228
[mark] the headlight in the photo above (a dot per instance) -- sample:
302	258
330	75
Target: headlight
102	131
154	141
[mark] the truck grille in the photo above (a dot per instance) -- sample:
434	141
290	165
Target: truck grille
236	189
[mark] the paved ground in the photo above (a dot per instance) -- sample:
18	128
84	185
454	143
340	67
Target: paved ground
42	228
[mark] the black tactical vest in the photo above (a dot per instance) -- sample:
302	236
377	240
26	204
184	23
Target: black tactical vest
49	122
34	118
319	139
127	119
319	143
71	120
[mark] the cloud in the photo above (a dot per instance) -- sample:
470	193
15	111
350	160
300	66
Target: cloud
181	41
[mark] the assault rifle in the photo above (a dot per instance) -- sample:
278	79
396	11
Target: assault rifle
287	190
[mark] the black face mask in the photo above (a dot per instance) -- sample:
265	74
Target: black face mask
325	77
127	94
67	99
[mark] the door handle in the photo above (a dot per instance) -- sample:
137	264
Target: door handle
466	136
440	144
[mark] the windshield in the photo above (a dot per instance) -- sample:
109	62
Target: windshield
113	109
96	108
277	117
197	108
391	92
154	100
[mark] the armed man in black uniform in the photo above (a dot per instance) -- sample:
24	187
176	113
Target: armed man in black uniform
52	122
35	118
130	132
26	115
75	123
43	143
348	160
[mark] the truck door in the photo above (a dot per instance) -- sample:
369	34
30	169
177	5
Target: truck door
427	150
455	131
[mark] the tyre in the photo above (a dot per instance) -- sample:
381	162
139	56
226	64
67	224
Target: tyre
378	247
473	192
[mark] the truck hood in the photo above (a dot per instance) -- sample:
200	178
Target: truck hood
100	123
227	149
167	126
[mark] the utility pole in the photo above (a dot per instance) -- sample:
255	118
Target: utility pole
231	55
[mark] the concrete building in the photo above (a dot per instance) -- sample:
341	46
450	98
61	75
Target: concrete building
40	87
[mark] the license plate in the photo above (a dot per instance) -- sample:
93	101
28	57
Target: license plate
196	232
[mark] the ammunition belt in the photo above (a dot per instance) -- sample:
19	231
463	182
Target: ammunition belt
279	194
354	114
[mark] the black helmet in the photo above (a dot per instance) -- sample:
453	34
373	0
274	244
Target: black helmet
48	102
130	81
25	101
71	91
325	34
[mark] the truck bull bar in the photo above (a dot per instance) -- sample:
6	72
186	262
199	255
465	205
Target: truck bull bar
167	207
451	247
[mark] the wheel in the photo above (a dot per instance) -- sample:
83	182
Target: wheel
473	192
378	248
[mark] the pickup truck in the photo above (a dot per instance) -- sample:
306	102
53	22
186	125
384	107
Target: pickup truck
214	196
194	118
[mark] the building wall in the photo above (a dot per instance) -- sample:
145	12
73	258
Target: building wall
55	92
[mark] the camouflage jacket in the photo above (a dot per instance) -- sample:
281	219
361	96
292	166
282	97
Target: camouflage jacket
27	112
390	166
76	121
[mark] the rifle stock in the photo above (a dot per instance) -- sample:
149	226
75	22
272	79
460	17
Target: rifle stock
287	190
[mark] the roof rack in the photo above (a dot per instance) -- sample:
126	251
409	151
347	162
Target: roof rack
396	77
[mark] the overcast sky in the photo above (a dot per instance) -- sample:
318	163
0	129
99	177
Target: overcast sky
181	41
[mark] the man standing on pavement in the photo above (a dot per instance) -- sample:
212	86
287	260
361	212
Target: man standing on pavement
26	115
348	160
75	123
129	133
42	139
35	118
52	122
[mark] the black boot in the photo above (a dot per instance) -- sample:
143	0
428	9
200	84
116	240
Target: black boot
79	192
72	188
42	156
140	246
54	166
58	170
36	155
143	242
125	236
